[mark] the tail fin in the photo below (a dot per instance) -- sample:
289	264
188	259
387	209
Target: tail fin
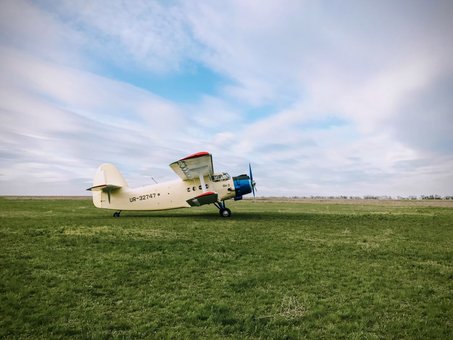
107	180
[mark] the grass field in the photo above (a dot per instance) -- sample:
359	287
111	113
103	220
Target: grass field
272	270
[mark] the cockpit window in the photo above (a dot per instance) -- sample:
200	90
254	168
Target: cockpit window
220	177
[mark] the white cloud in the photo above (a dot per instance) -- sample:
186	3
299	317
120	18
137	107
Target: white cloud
39	33
353	87
147	35
347	63
61	123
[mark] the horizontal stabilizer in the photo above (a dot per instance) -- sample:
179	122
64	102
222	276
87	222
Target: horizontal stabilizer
104	187
205	198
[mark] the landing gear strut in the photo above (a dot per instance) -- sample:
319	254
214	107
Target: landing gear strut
223	210
117	213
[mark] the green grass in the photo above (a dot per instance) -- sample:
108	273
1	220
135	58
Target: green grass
272	270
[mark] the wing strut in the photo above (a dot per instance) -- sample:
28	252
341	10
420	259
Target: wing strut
203	185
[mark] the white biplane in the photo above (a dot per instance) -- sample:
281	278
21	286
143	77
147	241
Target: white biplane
198	185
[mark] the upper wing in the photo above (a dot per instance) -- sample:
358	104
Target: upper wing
194	166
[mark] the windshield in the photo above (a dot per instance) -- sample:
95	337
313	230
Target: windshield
220	177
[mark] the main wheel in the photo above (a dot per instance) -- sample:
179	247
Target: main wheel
225	212
116	214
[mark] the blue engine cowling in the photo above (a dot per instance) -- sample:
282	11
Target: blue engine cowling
242	186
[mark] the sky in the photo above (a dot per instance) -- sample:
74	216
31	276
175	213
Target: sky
321	97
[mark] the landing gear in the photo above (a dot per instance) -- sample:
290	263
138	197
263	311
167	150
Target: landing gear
117	213
223	210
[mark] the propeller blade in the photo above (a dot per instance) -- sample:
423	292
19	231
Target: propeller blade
251	180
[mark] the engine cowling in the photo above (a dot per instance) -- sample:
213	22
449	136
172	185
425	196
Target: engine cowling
242	186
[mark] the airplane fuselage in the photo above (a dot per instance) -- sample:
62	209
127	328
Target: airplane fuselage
198	185
163	196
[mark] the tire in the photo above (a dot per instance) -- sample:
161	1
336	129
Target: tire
225	212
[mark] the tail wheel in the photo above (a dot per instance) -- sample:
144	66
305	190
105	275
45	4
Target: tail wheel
117	214
225	212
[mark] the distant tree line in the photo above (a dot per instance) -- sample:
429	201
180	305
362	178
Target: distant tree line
436	197
374	197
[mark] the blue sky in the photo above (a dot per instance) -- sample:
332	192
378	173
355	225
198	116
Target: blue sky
323	97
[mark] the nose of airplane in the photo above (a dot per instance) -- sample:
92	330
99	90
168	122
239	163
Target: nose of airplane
243	185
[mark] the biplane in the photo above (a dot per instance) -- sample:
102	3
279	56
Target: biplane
197	185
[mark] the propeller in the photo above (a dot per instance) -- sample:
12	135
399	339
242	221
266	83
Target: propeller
251	179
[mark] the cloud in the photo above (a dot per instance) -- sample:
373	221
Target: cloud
344	98
336	62
359	59
149	35
25	26
426	117
69	121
